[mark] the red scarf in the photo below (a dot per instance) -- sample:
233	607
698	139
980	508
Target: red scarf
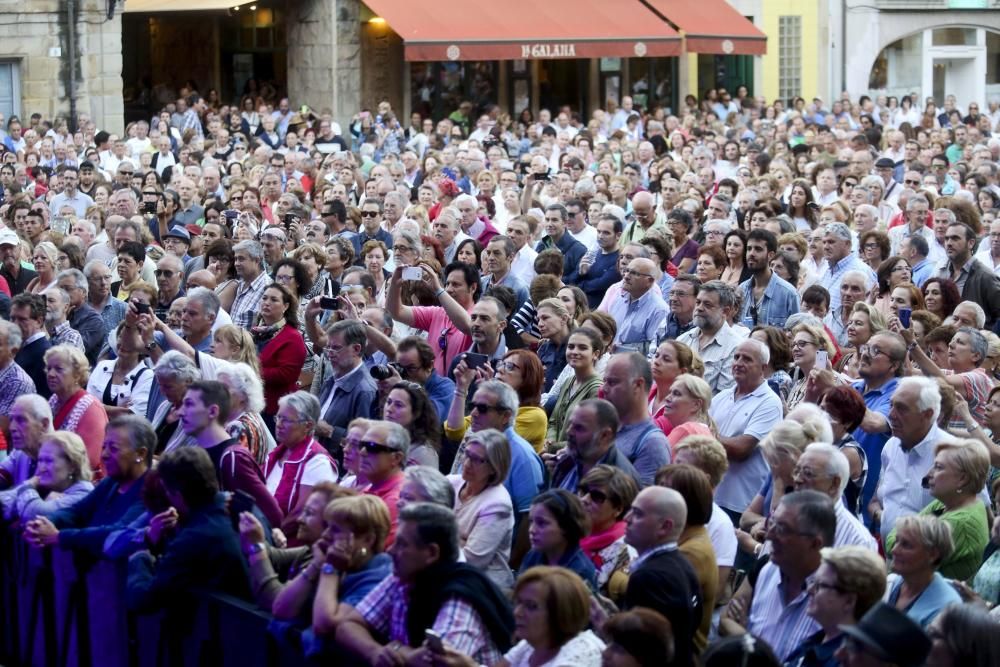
592	545
287	493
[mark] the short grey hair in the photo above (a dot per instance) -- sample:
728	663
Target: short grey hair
796	319
89	267
434	524
722	225
727	295
140	433
36	406
948	213
306	405
398	438
813	417
174	365
245	381
79	279
932	531
207	298
763	351
252	248
917	199
837	464
497	452
410	238
870	209
506	395
839	229
11	333
435	486
977	309
977	341
928	393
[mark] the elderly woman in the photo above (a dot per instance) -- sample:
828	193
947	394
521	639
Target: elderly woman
272	570
61	479
607	494
955	480
122	384
557	524
670	360
126	456
921	543
408	405
44	259
246	400
299	462
686	408
374	255
174	374
807	342
280	344
483	506
850	581
864	322
355	560
423	484
583	348
711	263
73	409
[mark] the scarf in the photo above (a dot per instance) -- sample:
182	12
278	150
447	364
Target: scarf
263	333
68	417
445	580
297	458
593	545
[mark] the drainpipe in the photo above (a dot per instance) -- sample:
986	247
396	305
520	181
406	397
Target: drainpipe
843	46
71	62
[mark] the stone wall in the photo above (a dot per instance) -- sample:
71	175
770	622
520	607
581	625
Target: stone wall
29	31
324	55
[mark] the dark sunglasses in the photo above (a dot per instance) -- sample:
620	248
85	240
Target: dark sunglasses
482	407
164	273
598	497
369	214
376	448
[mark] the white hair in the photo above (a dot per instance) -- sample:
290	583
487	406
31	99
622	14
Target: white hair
810	414
977	309
837	464
244	380
928	393
763	352
36	406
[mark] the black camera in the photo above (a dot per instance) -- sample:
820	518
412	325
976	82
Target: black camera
384	371
149	207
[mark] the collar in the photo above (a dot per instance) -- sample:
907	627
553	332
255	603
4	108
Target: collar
889	386
349	375
655	551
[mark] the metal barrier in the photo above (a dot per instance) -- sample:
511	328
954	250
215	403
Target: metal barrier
60	609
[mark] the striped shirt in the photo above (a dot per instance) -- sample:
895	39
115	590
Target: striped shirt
783	626
244	310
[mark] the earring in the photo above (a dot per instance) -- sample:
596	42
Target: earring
138	460
363	552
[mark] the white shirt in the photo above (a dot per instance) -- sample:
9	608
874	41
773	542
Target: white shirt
723	535
317	469
587	236
523	264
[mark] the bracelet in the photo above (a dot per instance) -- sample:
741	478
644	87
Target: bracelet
438	293
972	429
911	347
462	394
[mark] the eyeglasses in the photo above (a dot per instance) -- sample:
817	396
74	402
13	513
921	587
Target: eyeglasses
632	272
369	214
870	350
799	344
482	407
816	585
784	530
508	366
370	447
598	497
164	273
476	460
911	182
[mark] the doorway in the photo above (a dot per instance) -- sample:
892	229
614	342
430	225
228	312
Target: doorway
563	82
952	75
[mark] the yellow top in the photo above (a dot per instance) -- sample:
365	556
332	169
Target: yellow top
531	423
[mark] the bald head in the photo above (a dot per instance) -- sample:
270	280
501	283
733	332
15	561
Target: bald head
201	278
658	516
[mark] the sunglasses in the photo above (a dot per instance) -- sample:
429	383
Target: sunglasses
164	273
370	447
598	497
369	214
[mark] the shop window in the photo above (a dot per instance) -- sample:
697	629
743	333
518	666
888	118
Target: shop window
651	82
262	28
437	88
992	58
898	68
789	56
953	37
10	90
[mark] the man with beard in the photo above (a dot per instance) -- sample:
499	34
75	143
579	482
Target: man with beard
590	437
768	300
712	338
56	306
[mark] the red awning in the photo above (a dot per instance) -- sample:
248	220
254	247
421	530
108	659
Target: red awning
712	26
490	30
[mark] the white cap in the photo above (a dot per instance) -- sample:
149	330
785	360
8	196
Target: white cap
9	237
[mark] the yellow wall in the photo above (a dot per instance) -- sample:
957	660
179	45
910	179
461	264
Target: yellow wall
811	45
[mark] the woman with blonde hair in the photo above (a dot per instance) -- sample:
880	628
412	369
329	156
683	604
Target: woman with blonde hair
670	360
686	408
781	448
45	258
236	345
67	371
864	322
807	342
61	479
554	322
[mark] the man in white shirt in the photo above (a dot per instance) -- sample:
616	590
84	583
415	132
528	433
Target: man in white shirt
991	256
824	468
520	231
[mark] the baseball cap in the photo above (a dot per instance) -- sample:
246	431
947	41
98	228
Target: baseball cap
9	237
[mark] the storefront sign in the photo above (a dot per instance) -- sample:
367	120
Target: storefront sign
548	50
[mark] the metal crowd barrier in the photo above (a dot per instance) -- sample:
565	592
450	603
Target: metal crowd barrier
60	609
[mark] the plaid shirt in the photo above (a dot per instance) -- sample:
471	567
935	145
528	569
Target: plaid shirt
64	334
14	382
385	607
244	310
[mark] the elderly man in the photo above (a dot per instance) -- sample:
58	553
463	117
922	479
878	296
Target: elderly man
350	391
628	379
661	578
909	453
767	299
853	288
590	437
644	219
56	322
415	358
127	231
480	230
975	281
200	317
273	241
14	382
169	272
837	242
824	468
249	263
712	338
915	250
990	254
917	209
446	230
384	448
557	237
458	601
82	317
801	526
497	257
639	310
111	310
744	413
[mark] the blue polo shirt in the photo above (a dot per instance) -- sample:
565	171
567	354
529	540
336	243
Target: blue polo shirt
877	400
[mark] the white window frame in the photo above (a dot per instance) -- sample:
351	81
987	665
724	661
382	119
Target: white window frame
15	66
789	57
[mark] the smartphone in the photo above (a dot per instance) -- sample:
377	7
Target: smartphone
60	225
239	502
149	207
329	303
230	214
433	641
904	317
822	360
142	308
413	273
289	219
475	360
540	177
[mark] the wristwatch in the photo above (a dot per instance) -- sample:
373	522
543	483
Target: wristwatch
150	345
328	568
256	548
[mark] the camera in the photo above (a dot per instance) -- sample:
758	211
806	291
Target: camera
149	208
384	371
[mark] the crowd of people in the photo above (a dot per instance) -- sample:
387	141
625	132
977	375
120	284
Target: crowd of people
714	387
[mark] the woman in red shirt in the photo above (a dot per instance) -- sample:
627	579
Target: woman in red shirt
280	345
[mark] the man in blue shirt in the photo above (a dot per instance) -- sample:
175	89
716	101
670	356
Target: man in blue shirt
767	299
556	236
599	271
416	358
638	310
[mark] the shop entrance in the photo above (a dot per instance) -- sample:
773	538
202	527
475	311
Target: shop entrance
563	82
